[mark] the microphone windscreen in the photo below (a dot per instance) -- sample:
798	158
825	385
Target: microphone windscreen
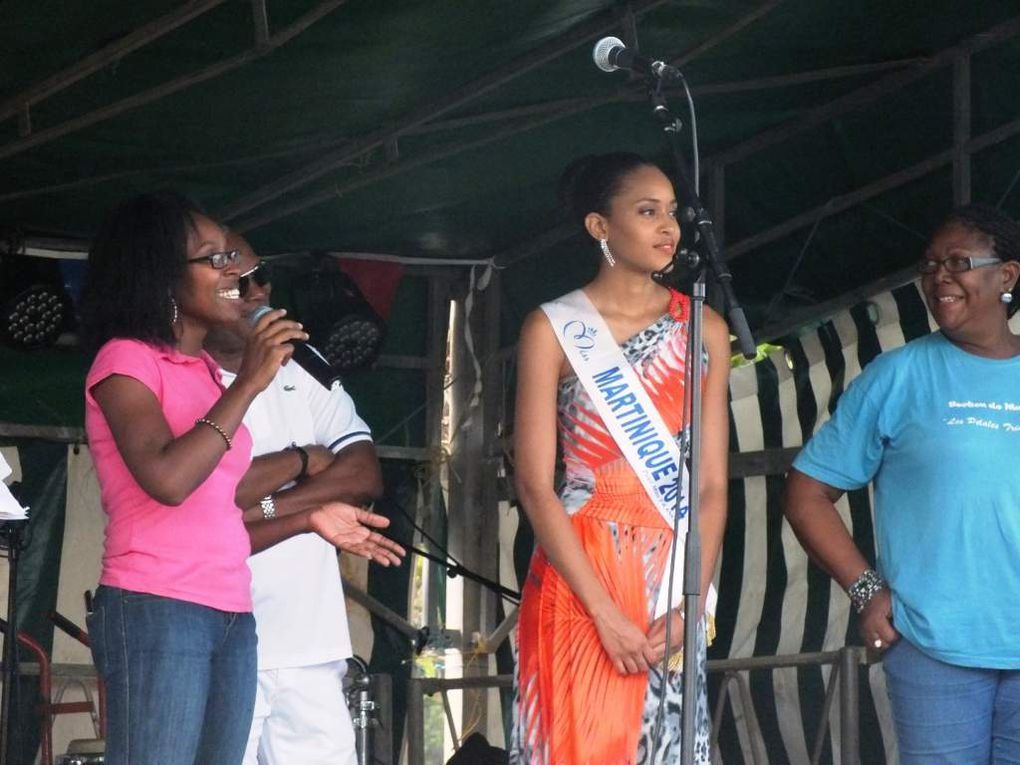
258	313
603	48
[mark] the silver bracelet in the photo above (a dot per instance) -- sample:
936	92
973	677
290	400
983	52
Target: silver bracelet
865	587
268	507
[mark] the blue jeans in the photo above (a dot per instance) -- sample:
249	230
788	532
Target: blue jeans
180	679
950	714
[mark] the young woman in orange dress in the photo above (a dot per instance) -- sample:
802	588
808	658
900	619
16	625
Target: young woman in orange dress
590	642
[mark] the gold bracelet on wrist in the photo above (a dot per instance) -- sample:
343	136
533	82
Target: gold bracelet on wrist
217	428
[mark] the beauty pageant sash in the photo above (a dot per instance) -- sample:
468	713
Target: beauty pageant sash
630	416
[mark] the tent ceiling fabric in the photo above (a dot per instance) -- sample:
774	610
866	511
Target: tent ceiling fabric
478	180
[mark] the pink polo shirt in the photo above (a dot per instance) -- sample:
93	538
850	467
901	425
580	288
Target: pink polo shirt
198	550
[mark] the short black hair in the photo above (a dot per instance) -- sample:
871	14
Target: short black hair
589	183
136	261
1003	230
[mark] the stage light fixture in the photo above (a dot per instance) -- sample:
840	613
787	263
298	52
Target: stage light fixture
34	306
342	324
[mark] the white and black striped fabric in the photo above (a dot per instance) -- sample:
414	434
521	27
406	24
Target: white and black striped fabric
773	601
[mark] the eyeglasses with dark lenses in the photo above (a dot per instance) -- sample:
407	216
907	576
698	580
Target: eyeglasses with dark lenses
258	275
218	260
955	264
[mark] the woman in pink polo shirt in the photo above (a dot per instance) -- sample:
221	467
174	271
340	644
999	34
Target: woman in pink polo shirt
172	630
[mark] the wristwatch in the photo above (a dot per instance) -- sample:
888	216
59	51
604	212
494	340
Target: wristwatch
268	507
303	456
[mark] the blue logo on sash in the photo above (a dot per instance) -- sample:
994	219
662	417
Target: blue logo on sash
582	336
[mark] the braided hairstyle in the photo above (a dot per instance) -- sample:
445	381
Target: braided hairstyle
1000	228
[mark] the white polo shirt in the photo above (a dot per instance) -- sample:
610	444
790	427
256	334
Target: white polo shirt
297	595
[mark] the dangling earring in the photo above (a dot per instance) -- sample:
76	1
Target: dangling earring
173	311
606	253
1006	297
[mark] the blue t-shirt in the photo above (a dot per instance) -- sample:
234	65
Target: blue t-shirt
938	430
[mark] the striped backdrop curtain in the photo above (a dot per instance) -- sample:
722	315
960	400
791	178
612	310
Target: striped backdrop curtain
772	600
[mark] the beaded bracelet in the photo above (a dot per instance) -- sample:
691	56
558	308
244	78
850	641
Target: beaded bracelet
217	428
865	587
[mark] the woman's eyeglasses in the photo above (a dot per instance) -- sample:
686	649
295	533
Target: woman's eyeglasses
218	260
258	275
955	264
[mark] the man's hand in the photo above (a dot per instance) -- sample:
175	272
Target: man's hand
352	529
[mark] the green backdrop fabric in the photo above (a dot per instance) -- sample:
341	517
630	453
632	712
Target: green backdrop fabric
44	491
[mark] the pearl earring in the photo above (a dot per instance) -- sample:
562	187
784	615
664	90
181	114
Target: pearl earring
1006	297
173	311
606	253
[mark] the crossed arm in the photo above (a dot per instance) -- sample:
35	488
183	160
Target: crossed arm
325	502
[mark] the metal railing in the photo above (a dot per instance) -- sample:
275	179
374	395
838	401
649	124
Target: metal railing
843	678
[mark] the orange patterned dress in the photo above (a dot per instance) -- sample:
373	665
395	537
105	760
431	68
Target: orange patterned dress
572	706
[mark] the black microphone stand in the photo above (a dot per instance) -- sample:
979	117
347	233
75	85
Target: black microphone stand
455	569
695	212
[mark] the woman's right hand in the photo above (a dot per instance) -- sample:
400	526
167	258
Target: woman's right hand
268	348
625	644
875	622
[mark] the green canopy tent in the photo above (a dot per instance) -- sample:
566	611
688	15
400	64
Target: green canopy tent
437	130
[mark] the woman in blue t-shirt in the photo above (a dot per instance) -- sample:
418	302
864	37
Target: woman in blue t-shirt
935	425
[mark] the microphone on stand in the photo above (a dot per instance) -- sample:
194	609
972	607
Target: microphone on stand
610	54
305	356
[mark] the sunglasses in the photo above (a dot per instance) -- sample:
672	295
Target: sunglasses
218	260
258	275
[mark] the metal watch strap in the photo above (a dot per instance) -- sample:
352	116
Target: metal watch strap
268	507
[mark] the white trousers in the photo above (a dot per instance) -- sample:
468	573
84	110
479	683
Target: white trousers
301	717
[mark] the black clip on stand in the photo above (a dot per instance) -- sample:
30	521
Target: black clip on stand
694	211
11	537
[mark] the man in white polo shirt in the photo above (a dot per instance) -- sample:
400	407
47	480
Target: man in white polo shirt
311	448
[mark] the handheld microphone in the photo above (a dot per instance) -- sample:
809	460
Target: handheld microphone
610	54
305	356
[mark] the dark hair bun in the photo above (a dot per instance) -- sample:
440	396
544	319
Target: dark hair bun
566	190
589	183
